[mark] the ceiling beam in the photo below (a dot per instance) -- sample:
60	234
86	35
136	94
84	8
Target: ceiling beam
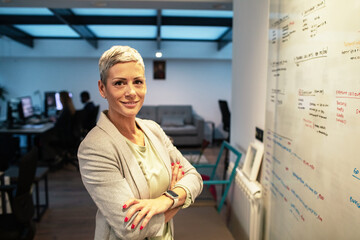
17	35
79	23
116	20
197	21
28	19
225	39
158	29
67	16
132	39
149	4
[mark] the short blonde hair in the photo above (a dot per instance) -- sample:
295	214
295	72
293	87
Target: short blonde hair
118	54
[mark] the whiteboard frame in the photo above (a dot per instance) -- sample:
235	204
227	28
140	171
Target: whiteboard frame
253	161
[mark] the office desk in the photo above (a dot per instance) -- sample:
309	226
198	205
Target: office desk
28	130
3	199
41	172
41	175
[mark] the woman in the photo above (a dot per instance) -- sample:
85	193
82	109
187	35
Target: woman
64	122
58	139
128	165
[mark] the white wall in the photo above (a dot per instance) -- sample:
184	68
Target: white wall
196	73
249	69
200	83
250	27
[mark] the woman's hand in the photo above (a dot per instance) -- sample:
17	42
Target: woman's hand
177	173
147	208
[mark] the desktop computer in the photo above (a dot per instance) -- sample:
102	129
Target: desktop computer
26	108
13	113
20	111
52	103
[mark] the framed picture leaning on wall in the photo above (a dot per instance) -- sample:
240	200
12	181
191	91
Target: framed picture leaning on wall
253	160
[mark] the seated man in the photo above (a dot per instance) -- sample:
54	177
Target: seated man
88	112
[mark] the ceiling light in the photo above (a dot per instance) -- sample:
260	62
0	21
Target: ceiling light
158	54
100	4
219	6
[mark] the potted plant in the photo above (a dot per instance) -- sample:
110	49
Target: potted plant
3	92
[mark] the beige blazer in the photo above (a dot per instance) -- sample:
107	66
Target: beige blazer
112	175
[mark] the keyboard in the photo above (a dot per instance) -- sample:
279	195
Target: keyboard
36	121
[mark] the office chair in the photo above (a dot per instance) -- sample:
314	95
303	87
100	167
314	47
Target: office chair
93	117
19	223
81	124
75	136
225	115
88	119
226	182
9	151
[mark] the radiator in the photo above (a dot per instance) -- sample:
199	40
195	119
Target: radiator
251	203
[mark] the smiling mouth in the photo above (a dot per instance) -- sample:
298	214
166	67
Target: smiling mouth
130	104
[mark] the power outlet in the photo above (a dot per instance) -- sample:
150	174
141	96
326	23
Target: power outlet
259	134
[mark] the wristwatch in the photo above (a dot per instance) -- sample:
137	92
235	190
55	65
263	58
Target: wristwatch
173	196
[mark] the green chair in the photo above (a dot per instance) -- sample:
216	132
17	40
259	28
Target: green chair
226	182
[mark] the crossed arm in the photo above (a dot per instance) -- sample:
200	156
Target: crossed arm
147	208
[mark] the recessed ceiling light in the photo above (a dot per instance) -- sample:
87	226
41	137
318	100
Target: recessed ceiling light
100	4
219	6
158	54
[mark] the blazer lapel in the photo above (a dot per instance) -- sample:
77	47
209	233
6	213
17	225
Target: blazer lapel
127	157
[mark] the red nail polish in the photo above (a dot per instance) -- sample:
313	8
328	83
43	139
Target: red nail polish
141	228
180	167
132	226
126	219
124	206
178	162
183	173
172	164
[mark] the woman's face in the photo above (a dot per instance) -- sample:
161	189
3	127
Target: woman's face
125	89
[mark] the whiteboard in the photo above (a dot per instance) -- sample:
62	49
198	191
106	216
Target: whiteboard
311	162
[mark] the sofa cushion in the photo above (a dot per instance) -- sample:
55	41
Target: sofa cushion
180	131
172	121
148	112
184	111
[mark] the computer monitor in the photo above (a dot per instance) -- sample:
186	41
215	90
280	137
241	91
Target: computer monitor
58	102
59	105
13	112
50	99
26	107
50	104
53	103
